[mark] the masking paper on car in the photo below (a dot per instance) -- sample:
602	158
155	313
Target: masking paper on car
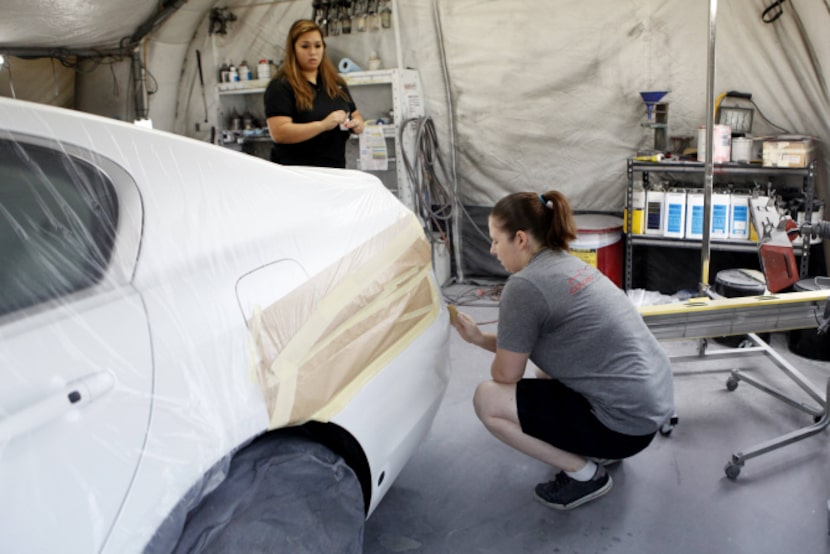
317	345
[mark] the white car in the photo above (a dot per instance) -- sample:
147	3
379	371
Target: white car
164	302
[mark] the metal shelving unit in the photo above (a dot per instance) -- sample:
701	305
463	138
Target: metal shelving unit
807	174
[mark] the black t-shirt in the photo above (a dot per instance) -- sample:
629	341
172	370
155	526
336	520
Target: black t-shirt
328	149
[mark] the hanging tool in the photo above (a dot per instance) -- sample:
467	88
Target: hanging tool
201	81
775	247
773	11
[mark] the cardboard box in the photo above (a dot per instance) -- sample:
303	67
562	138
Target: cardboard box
788	151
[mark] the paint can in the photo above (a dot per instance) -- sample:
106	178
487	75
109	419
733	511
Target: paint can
637	212
599	243
741	149
694	215
807	342
674	218
720	215
655	200
739	216
722	139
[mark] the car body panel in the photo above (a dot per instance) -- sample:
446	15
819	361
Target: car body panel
48	468
223	235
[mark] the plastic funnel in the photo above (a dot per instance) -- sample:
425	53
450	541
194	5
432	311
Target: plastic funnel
653	96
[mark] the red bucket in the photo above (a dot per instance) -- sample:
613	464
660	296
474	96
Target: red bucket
599	243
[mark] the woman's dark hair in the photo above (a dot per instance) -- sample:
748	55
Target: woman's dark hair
290	70
547	217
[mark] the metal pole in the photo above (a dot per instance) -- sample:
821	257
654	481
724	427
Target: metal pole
397	23
708	168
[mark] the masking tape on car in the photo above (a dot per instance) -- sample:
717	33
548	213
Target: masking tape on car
319	345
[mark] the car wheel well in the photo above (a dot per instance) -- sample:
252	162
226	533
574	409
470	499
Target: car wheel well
342	443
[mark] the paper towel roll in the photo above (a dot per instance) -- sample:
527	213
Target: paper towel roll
347	66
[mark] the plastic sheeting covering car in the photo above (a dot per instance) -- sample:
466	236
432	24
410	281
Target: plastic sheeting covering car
166	302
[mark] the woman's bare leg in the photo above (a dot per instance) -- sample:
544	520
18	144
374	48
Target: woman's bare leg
495	405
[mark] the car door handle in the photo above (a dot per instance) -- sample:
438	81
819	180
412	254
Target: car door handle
76	394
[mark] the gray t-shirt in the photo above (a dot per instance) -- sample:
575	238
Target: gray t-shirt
581	329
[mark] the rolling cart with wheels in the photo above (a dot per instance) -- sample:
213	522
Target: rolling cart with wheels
703	318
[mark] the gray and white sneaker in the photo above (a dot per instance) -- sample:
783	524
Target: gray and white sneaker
564	493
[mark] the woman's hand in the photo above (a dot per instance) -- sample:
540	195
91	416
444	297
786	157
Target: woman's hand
468	329
356	125
335	118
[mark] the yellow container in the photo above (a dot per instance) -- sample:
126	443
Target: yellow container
638	208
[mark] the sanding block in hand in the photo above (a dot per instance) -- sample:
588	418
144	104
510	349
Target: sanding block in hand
453	313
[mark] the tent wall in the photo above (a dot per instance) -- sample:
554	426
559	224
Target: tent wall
540	95
42	80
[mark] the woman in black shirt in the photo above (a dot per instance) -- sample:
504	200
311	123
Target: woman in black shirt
309	110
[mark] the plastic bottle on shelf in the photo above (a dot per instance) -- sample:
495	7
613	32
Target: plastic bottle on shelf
244	71
235	120
233	74
374	61
224	73
263	69
247	121
374	21
385	15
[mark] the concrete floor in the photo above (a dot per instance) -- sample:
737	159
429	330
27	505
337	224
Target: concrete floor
466	492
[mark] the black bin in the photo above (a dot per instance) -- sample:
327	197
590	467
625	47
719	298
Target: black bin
807	342
733	283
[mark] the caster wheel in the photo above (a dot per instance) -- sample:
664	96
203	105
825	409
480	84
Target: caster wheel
731	384
732	470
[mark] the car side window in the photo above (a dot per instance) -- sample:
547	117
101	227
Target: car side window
58	219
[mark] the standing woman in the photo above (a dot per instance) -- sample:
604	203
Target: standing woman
309	110
606	384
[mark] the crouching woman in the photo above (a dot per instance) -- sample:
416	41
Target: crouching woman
605	385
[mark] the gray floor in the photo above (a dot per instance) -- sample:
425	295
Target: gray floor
465	492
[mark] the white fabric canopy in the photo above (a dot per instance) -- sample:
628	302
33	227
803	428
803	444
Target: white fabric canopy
542	94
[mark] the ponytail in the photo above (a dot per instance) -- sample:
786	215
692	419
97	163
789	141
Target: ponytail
546	216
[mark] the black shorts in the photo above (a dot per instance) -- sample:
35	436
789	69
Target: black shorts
551	412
